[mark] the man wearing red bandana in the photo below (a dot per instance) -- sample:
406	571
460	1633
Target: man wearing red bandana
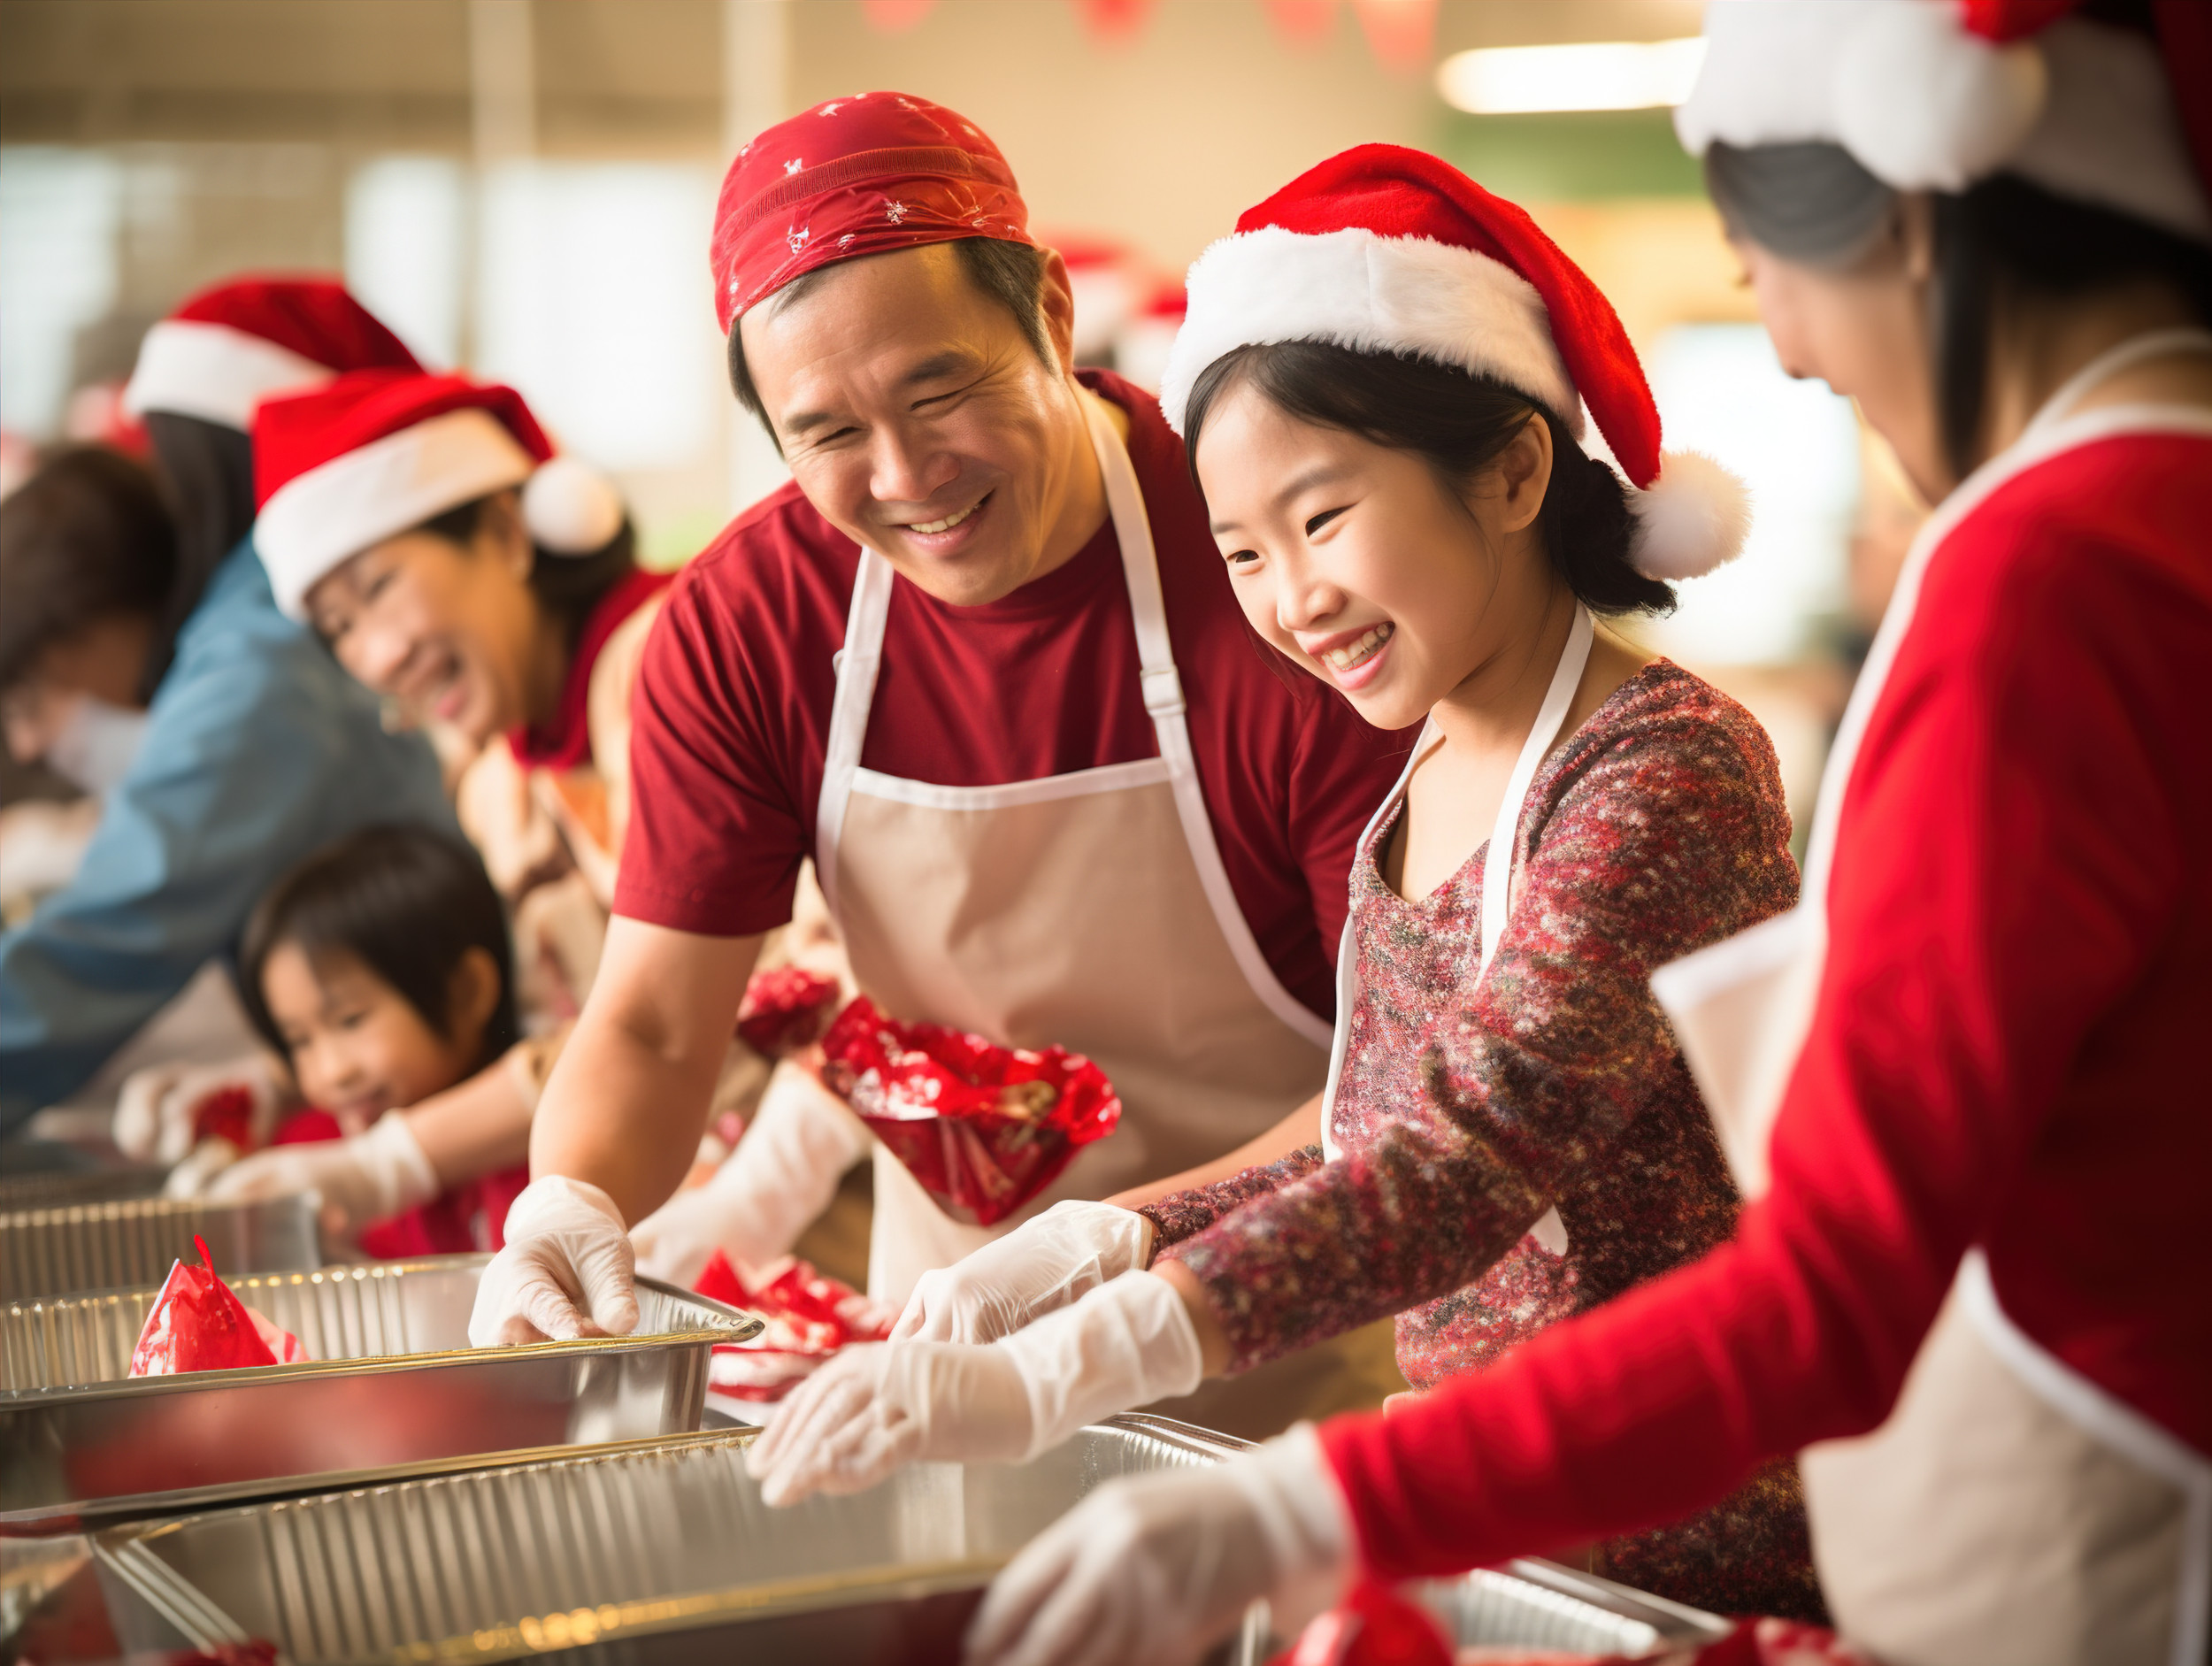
980	662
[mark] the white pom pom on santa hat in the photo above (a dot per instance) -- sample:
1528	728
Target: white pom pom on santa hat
570	508
1384	250
1694	517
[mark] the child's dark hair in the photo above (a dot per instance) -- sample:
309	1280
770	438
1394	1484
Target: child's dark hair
410	903
1459	423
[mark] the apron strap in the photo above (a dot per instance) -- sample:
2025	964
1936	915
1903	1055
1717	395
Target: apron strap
857	663
1164	703
1497	862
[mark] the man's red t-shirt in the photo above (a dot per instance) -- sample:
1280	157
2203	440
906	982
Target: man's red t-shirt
733	709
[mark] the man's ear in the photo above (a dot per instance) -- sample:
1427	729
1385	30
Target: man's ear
1056	298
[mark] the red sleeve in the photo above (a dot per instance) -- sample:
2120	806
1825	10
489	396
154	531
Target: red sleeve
2010	857
728	726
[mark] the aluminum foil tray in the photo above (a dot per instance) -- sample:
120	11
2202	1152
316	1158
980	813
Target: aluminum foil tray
392	1385
62	1234
661	1552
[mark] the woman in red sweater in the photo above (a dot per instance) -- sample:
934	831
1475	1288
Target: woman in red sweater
1975	1284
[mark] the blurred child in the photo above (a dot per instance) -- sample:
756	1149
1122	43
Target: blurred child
380	969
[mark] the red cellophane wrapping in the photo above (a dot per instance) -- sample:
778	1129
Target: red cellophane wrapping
786	1008
809	1314
984	1128
198	1324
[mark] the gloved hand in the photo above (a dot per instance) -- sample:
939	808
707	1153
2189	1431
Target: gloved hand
567	1270
159	1112
1158	1567
1043	1265
783	1174
871	1411
370	1176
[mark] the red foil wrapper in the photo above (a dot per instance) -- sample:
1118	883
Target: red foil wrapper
809	1314
198	1324
784	1008
984	1128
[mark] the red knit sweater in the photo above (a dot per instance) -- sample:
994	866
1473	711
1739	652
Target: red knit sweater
2009	1049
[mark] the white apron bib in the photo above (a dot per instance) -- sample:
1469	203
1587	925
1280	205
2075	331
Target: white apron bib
1089	909
1497	872
2009	1510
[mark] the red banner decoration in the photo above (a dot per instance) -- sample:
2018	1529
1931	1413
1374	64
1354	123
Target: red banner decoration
1302	22
1401	34
1115	20
895	17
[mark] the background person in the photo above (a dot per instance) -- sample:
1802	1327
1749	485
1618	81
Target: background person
1972	1291
380	969
458	569
981	663
141	644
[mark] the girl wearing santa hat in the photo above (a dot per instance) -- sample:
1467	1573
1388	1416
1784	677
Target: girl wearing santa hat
423	528
142	653
1381	380
1963	1081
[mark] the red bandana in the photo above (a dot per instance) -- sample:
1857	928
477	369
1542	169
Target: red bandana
856	176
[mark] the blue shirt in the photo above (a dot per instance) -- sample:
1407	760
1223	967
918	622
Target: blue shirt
258	749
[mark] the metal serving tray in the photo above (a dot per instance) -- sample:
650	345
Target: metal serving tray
392	1384
661	1552
61	1235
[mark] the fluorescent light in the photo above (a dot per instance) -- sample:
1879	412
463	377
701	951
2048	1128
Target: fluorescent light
1511	80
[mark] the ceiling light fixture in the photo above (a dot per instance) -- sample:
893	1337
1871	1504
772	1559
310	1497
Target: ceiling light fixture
1512	80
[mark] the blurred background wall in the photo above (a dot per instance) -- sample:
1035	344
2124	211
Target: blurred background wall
523	188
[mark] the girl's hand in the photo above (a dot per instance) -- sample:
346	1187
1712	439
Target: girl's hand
370	1176
1043	1265
877	1408
165	1110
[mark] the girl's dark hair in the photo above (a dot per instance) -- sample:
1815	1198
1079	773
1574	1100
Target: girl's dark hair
568	587
207	470
2000	239
1460	423
86	537
409	903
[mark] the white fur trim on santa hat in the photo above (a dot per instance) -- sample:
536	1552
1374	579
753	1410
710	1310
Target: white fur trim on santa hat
1694	517
1357	290
2081	109
215	373
318	521
570	508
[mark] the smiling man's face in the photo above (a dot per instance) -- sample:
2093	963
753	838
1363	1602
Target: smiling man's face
918	418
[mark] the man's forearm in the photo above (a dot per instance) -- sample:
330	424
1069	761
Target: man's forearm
628	1099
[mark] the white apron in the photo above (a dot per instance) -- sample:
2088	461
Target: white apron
1497	872
1089	909
2011	1510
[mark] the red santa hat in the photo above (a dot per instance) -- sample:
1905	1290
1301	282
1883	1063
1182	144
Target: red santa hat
378	452
1384	250
230	347
854	176
1933	95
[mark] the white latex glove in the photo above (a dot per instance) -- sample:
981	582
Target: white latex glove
1158	1567
567	1270
871	1411
1042	1265
370	1176
783	1174
155	1112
